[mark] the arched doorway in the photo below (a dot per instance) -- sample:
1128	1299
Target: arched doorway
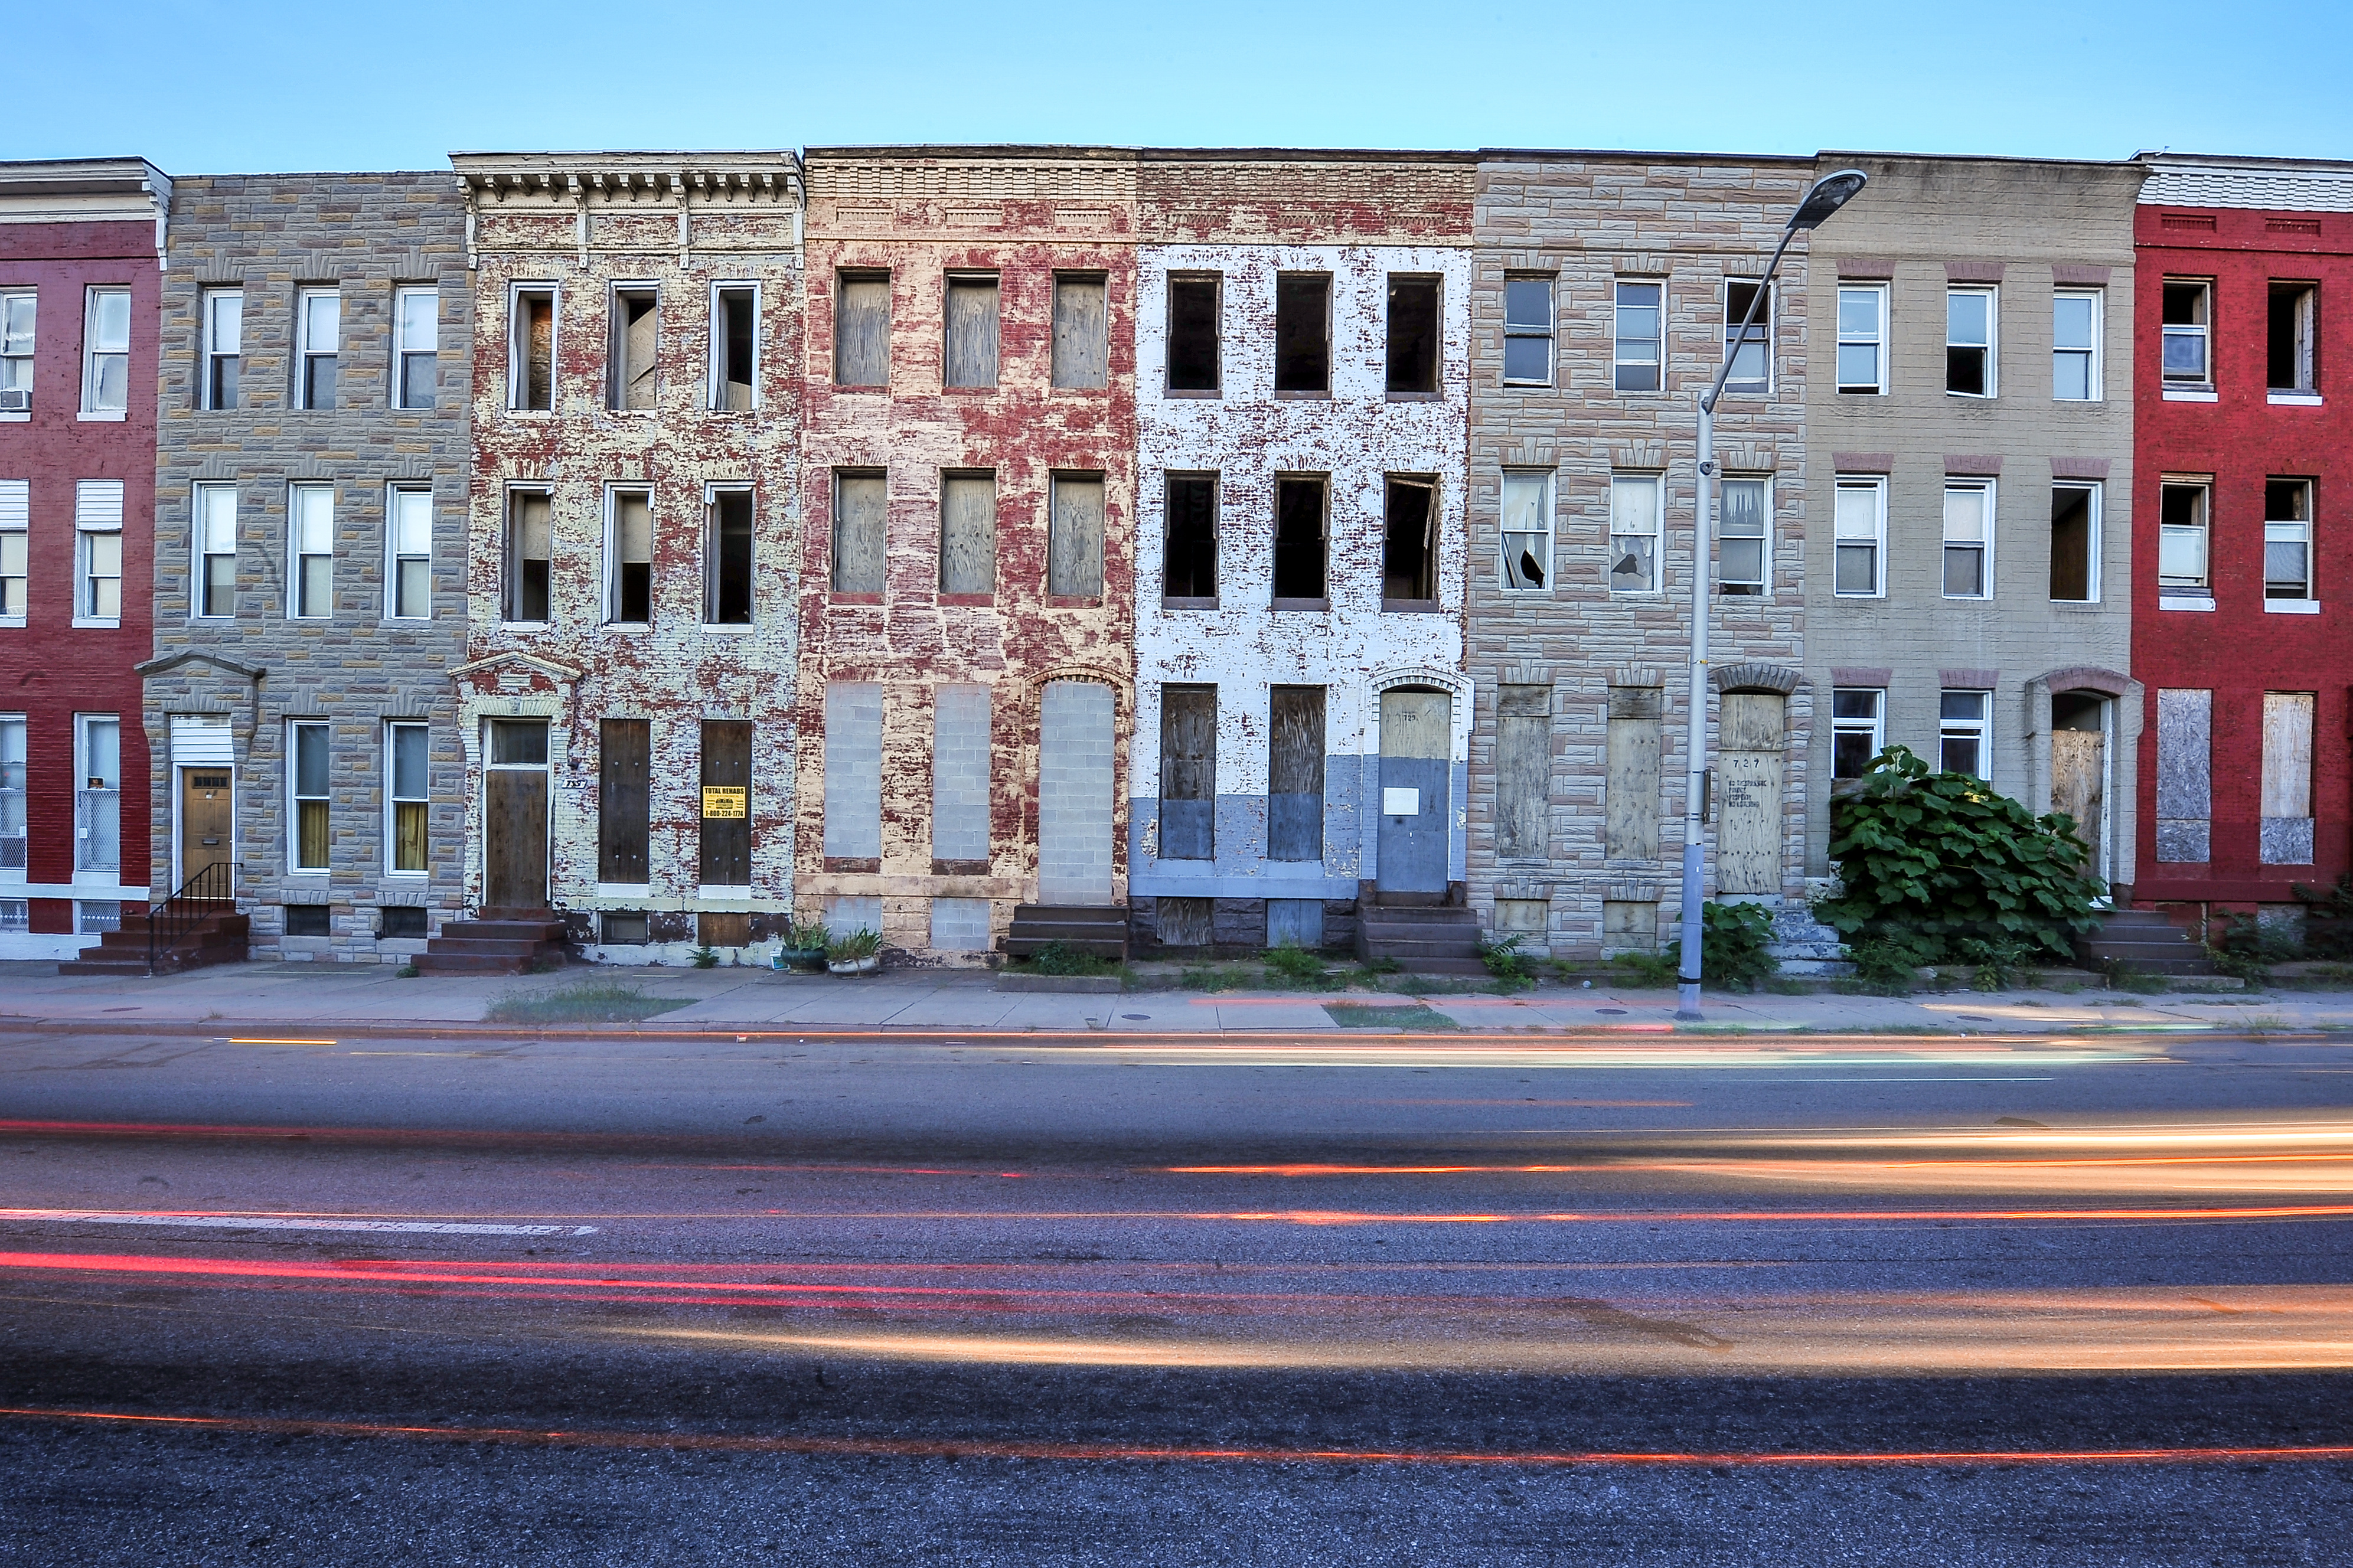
2079	768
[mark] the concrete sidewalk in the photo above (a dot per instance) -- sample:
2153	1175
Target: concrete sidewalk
372	998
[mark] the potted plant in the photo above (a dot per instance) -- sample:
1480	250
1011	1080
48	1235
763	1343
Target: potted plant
802	947
857	952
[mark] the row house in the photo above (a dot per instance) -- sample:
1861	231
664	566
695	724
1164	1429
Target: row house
81	250
1969	420
966	577
1606	289
626	699
1303	399
2242	635
310	470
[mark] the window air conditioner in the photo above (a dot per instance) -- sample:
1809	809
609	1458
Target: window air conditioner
14	400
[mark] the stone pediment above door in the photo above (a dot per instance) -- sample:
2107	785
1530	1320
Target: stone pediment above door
514	675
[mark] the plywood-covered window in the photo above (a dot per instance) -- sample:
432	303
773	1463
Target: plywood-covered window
861	329
726	804
970	356
861	520
623	799
629	581
2286	831
1301	513
1082	331
1629	829
636	335
2185	774
1074	540
1523	771
1303	331
1193	305
727	559
1188	771
1294	774
1413	336
1409	543
1190	543
968	533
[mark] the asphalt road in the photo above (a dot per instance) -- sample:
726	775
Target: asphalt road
1113	1299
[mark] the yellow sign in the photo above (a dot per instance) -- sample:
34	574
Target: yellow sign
724	800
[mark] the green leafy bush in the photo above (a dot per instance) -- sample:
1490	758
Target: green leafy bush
1060	958
705	958
1931	859
1505	960
1732	942
2327	919
1290	961
2246	948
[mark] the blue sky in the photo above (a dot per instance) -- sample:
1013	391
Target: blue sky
203	87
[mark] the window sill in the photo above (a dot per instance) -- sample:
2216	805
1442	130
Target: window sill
625	890
11	622
1414	396
968	391
2291	606
320	872
1075	600
728	628
1863	392
15	416
853	863
98	622
1741	591
1322	395
2185	602
2189	394
1173	602
104	416
408	877
1194	392
831	598
953	867
883	386
2294	399
1839	595
507	626
1323	604
2078	603
1973	397
1526	386
1411	607
1967	598
627	625
723	892
531	413
975	601
388	620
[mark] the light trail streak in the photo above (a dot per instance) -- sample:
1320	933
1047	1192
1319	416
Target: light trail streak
191	1220
1133	1453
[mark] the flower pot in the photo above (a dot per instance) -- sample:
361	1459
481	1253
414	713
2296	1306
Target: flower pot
869	965
805	960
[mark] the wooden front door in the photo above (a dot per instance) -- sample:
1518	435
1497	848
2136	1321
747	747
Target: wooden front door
207	819
1750	747
514	817
2079	787
1416	804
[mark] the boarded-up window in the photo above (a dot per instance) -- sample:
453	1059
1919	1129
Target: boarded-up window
530	350
971	355
1188	771
1299	514
1074	545
1628	926
2288	778
860	519
1193	332
624	751
635	320
968	533
528	525
1294	922
1413	335
726	804
1630	804
960	741
1189	558
630	593
1294	774
1408	551
1081	334
1523	771
1184	922
1303	331
2184	776
734	348
727	560
861	329
1522	918
853	771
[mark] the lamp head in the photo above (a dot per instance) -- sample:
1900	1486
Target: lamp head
1831	193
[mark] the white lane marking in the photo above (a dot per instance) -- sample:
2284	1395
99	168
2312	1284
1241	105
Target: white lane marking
285	1222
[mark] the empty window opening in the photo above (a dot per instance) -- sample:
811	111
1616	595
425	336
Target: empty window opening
106	351
1968	541
319	325
632	587
17	309
407	746
1527	331
2075	542
1751	353
1744	537
531	350
861	513
624	798
310	511
411	566
968	533
1074	545
1413	336
216	550
1294	774
734	348
2075	346
1968	342
416	347
2287	538
1188	771
1408	551
1527	528
2187	308
636	326
971	359
1298	520
861	329
1635	330
1303	331
311	796
529	520
1193	332
1189	555
2294	307
1863	339
1855	734
1860	524
726	804
727	586
224	330
1962	721
2181	508
1634	507
1082	331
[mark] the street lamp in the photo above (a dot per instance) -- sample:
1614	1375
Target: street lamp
1828	193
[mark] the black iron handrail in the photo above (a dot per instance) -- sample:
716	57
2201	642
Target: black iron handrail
201	895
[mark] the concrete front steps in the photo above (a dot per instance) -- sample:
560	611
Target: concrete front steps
496	941
2146	941
1431	938
1098	931
221	938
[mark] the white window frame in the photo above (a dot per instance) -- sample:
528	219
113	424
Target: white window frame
613	561
2202	331
1630	485
1543	480
2095	545
510	561
308	301
212	534
404	348
295	799
87	797
1530	331
16	550
301	515
617	331
1983	545
1876	339
2203	484
1991	294
716	391
1760	332
1875	726
394	799
98	536
15	842
20	307
95	354
1619	363
710	494
403	545
1844	538
519	348
1763	583
213	350
2094	353
2290	530
1979	729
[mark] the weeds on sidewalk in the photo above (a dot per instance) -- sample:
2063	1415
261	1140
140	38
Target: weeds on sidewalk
1645	971
595	1002
1506	962
1060	958
1290	967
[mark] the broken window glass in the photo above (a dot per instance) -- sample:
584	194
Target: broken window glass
635	329
1408	553
734	338
528	525
633	557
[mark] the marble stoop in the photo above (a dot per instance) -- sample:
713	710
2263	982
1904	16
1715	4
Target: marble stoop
1803	944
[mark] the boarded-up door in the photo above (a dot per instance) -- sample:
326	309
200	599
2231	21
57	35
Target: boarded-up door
726	804
207	820
514	817
623	746
1075	794
1294	774
2079	786
1749	793
1416	725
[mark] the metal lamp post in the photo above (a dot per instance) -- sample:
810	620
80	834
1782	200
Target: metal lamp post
1828	193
